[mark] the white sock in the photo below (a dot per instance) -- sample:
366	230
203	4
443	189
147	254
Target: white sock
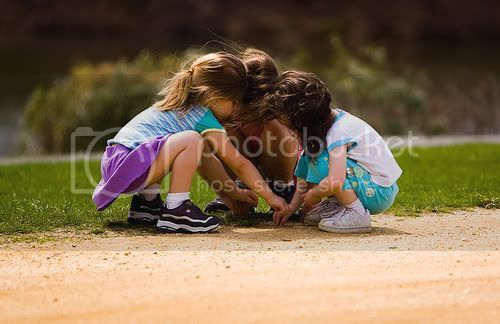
175	199
278	184
357	206
151	192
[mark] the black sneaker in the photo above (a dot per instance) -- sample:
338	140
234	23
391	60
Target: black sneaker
187	218
287	194
216	206
143	211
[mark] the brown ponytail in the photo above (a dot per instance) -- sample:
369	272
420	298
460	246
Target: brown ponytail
261	75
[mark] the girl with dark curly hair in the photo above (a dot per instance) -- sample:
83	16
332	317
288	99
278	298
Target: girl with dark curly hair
347	171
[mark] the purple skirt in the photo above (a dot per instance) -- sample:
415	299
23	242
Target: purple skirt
125	170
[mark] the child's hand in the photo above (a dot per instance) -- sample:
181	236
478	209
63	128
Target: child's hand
246	196
238	208
310	198
284	219
306	209
280	208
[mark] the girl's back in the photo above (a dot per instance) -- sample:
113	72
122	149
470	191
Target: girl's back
367	147
152	123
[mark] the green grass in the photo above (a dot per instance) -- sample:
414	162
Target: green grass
37	196
443	178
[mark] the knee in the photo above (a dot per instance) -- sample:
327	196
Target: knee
192	137
193	140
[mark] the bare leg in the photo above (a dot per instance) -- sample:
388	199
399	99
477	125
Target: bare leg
280	152
346	197
277	166
180	155
212	170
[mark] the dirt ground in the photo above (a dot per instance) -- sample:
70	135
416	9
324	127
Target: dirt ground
433	268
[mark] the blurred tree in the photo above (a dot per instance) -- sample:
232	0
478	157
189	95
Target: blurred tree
99	96
365	86
108	95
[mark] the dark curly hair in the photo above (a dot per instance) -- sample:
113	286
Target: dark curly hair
302	102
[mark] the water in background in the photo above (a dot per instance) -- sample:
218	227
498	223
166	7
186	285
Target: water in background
10	127
32	64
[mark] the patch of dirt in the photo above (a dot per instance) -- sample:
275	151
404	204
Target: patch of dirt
437	267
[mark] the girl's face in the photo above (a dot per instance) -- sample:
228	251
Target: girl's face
223	109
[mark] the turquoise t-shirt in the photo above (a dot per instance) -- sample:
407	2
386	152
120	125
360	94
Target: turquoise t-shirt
152	123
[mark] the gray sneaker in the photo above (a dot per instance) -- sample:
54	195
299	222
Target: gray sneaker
324	209
348	221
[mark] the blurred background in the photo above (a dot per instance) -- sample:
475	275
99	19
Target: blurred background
431	67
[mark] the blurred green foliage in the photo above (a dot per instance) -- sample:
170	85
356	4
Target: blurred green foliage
108	95
98	96
364	85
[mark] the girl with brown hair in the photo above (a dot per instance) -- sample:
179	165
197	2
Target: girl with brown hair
257	135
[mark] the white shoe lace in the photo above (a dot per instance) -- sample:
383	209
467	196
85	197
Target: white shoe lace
346	211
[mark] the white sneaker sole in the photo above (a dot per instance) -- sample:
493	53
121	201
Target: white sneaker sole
139	217
345	230
173	227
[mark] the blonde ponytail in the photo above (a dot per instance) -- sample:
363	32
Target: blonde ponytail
211	76
176	91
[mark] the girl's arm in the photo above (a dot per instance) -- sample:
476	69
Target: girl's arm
296	202
333	183
212	170
245	170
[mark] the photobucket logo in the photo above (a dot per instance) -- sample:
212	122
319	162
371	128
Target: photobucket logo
266	146
400	145
253	147
81	160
